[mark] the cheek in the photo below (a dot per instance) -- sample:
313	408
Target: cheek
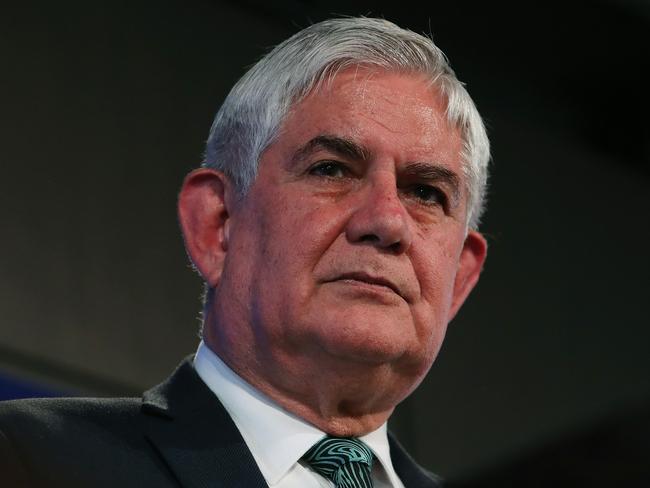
436	279
436	271
291	236
305	228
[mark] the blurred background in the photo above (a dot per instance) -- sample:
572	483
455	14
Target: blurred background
105	106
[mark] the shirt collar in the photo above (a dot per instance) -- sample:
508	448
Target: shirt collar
276	438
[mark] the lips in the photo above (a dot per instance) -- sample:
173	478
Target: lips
371	280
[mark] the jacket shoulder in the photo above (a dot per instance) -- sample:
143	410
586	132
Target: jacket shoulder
43	417
71	438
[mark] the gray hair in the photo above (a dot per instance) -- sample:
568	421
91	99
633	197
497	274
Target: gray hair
251	116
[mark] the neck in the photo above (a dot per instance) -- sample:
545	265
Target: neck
349	408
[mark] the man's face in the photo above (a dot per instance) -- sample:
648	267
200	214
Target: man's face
347	246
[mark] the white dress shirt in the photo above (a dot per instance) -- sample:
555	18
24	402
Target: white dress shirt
276	438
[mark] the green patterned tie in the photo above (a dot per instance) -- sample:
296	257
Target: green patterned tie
345	461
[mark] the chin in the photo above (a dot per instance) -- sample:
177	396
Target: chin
369	336
372	334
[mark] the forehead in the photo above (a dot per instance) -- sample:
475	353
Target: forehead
403	114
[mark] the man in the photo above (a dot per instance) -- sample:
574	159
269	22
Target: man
334	223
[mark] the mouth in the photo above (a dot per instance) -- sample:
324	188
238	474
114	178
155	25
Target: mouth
374	281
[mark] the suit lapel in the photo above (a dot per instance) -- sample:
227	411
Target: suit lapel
410	473
195	436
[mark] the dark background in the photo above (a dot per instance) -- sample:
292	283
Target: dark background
106	105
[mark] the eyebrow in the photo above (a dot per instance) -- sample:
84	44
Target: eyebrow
341	146
430	172
427	172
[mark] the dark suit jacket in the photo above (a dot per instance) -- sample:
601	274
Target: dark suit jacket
178	434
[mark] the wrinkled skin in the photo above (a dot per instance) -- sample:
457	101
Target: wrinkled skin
336	275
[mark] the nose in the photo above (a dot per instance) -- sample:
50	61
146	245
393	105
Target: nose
380	219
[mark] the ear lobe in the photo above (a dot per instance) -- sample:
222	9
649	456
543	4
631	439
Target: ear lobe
470	265
203	216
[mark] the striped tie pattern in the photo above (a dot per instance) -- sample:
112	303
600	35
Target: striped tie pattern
345	461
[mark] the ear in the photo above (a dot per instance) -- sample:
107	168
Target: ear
470	266
203	215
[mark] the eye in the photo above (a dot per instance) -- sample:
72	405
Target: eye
429	195
331	169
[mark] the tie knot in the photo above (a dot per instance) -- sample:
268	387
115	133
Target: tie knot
345	461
